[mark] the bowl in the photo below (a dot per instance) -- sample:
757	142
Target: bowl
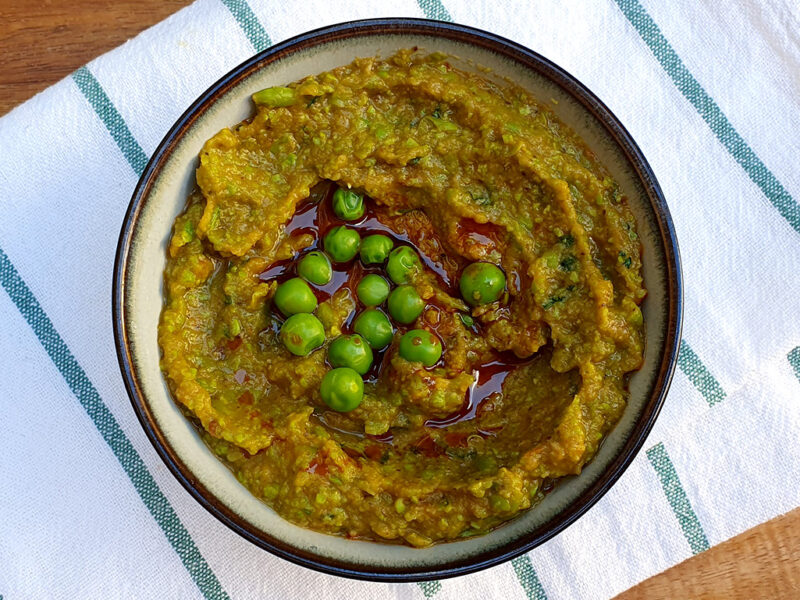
161	193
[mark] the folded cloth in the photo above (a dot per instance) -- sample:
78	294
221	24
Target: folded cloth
710	92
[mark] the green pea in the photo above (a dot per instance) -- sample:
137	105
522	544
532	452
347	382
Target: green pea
403	261
295	296
374	327
405	305
348	205
482	283
315	267
372	290
375	249
275	97
420	345
302	333
350	351
342	389
341	243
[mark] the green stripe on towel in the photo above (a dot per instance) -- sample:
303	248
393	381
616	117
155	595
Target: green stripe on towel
528	578
111	118
676	496
249	23
711	113
434	9
109	428
699	375
430	588
794	360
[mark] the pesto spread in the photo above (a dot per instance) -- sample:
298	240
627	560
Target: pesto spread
516	383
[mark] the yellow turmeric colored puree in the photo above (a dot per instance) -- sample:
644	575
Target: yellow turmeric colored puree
463	170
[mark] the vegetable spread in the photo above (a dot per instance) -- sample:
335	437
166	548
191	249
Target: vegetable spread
402	301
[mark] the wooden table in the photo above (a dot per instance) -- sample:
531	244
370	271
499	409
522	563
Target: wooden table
45	40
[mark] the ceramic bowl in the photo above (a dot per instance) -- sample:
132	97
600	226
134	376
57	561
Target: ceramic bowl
161	194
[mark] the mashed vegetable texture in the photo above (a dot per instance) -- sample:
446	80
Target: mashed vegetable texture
460	169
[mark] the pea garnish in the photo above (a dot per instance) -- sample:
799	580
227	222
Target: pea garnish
316	268
372	290
348	205
420	345
375	249
350	351
275	97
294	296
374	327
342	389
351	355
403	261
482	283
302	333
342	243
405	305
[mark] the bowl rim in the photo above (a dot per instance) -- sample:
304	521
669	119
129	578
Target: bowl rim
528	59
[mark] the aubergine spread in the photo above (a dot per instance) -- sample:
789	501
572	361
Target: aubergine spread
517	387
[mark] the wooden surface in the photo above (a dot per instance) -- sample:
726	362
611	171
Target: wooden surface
42	41
763	562
45	40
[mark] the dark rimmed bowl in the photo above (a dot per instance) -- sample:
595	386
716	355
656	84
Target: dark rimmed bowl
161	194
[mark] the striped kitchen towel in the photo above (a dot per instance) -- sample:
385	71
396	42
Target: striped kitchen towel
712	94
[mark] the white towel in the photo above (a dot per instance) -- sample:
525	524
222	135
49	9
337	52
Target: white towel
711	92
